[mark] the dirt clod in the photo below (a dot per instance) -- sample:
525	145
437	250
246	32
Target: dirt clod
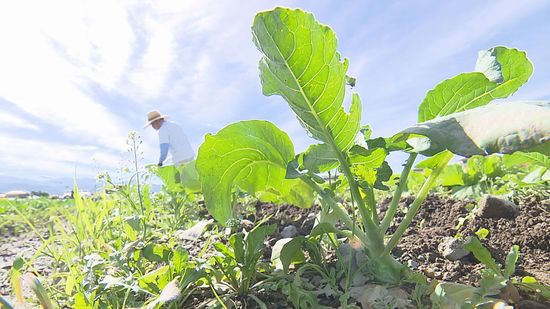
494	207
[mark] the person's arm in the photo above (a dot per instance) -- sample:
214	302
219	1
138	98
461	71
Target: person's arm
163	153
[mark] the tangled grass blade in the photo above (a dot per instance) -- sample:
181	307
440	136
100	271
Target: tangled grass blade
5	303
31	281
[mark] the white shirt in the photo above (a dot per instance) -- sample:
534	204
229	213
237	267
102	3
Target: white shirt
179	147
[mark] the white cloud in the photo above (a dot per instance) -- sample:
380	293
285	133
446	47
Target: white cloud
42	67
150	73
401	63
21	155
94	36
9	120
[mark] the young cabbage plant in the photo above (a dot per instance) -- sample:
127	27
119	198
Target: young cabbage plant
300	62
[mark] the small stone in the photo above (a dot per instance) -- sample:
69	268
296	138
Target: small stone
452	249
289	231
494	207
358	279
429	272
360	257
430	257
247	224
345	251
412	264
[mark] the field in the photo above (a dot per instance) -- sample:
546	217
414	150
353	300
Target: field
119	284
252	224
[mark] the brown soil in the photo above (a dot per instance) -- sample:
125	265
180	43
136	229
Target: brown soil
439	218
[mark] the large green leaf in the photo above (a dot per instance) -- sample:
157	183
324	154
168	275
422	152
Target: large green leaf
370	166
492	166
251	155
301	64
521	157
500	72
452	175
170	176
503	127
319	158
179	179
190	177
451	295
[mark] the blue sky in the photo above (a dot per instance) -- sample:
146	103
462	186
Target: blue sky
77	76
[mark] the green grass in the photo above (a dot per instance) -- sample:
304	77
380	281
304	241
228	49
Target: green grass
14	213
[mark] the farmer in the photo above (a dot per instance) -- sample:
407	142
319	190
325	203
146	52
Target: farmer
171	138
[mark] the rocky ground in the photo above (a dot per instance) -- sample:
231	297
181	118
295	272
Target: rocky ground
25	245
439	219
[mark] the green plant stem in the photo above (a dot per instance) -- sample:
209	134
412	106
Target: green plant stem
371	203
135	149
369	224
415	206
375	241
390	213
217	296
367	218
341	213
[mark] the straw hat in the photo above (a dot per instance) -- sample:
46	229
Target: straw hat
152	116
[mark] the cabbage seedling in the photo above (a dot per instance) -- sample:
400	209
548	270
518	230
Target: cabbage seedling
300	63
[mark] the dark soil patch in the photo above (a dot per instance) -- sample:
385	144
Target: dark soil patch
303	219
439	218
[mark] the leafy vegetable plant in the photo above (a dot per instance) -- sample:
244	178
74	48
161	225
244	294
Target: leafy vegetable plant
494	174
300	62
181	185
237	263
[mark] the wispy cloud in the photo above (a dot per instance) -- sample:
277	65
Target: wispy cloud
88	71
42	75
397	66
151	70
7	121
50	158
